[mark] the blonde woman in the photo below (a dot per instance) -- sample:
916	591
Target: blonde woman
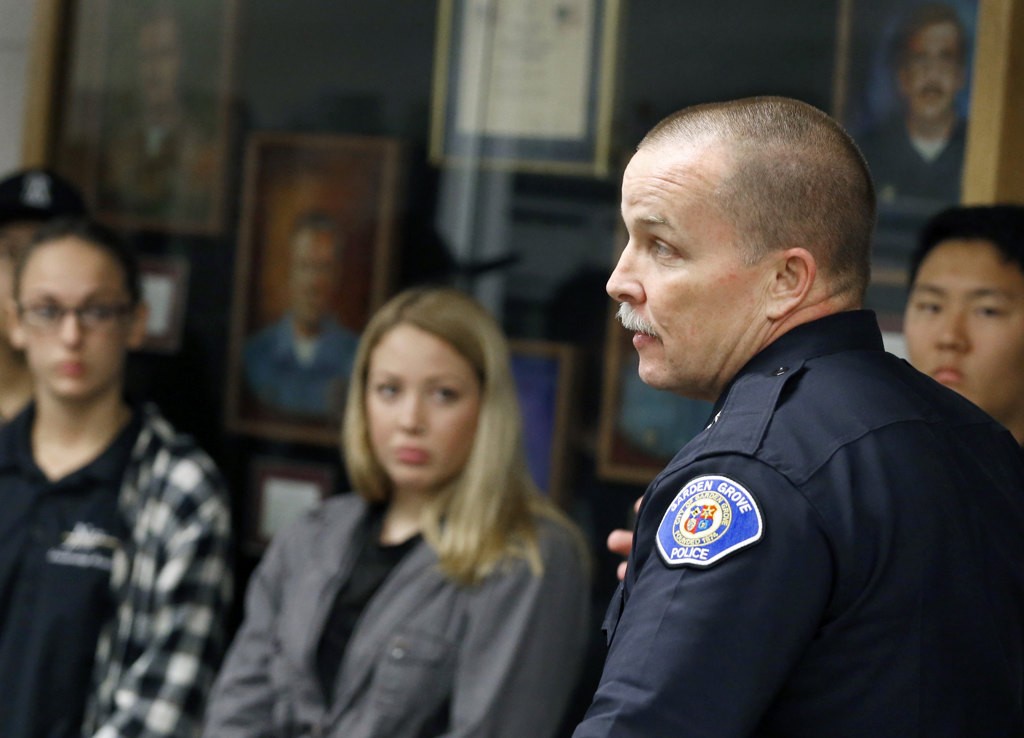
446	597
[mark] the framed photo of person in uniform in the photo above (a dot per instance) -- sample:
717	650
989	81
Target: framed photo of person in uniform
544	374
525	86
279	491
150	150
902	90
314	260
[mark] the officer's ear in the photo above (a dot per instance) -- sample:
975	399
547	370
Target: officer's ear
791	280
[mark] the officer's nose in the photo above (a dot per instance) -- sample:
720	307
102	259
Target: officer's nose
624	283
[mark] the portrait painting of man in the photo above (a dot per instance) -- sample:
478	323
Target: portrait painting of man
314	260
150	151
300	363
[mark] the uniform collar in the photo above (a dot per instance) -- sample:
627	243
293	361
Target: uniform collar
856	330
743	411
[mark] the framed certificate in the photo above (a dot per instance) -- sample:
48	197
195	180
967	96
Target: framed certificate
525	84
280	490
164	289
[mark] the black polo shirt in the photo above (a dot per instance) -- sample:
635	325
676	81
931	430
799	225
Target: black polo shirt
57	544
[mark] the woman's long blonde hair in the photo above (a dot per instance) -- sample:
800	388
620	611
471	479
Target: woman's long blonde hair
489	511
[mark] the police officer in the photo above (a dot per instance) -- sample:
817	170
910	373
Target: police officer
838	552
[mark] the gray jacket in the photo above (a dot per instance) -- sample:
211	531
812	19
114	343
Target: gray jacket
506	652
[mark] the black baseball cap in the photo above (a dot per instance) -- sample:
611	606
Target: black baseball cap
38	194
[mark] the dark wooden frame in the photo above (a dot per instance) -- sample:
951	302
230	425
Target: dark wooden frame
354	179
175	270
91	124
263	470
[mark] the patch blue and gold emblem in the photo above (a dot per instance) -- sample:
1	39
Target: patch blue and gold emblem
711	517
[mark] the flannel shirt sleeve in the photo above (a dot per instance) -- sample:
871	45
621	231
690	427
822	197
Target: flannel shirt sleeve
179	593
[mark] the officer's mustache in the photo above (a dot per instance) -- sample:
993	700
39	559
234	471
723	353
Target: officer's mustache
633	322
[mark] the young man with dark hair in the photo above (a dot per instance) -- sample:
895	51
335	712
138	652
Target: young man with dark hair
964	321
114	529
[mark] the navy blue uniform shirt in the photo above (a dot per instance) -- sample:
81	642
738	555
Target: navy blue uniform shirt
840	553
58	540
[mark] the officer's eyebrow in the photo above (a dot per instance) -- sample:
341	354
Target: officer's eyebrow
651	219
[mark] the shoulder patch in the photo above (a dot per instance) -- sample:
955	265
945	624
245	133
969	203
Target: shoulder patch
711	517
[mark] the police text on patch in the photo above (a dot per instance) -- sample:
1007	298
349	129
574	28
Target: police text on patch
711	517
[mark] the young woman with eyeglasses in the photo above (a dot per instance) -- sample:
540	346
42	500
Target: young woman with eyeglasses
114	529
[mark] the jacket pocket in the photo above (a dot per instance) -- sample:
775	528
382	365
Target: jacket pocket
414	673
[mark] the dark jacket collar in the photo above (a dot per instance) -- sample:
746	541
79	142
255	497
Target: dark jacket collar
855	330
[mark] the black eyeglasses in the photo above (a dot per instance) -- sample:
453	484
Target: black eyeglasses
48	316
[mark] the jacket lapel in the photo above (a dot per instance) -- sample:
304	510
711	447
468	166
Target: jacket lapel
414	580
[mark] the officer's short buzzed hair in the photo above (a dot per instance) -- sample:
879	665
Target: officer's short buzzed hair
1000	225
796	178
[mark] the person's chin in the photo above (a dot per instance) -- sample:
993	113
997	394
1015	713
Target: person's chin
651	376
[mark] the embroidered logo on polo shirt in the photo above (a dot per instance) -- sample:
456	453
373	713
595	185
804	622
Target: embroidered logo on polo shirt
85	546
710	518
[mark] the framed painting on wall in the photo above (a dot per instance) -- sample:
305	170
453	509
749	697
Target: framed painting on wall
315	259
543	373
145	126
